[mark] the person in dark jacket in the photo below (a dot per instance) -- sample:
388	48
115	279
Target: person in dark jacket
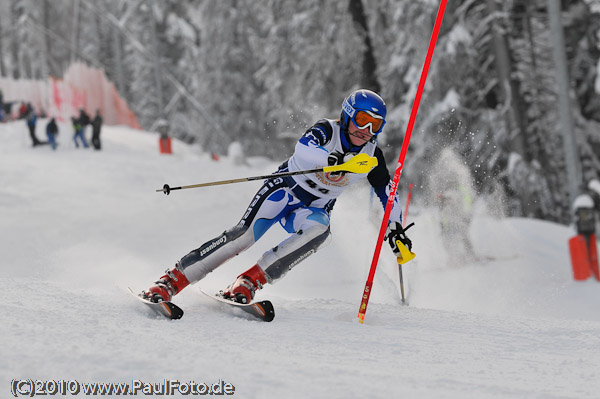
31	119
84	120
52	132
96	126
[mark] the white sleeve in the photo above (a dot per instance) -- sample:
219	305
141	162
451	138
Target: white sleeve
310	152
396	214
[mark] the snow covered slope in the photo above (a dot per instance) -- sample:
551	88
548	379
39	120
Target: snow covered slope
78	227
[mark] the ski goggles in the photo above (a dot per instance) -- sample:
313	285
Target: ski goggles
363	119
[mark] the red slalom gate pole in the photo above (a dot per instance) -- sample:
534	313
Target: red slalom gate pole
390	203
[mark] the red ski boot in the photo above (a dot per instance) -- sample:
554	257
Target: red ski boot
168	285
243	289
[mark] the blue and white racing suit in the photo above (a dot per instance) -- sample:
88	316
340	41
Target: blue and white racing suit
301	204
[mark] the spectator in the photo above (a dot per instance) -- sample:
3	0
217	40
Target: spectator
78	129
52	132
96	126
7	110
84	120
164	141
593	188
22	111
31	119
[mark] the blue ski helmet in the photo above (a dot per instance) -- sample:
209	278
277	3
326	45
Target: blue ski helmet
373	111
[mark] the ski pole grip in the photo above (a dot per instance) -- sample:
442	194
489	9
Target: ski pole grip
405	254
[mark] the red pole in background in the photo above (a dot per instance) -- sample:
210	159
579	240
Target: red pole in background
390	203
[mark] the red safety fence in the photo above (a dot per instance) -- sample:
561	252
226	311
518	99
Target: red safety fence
82	87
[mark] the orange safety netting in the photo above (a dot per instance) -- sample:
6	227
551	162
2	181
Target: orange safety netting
82	87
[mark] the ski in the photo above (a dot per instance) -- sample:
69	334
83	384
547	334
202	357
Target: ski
262	310
166	309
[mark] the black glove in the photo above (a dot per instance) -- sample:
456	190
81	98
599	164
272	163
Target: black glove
337	158
395	231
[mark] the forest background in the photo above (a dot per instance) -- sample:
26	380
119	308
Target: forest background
261	72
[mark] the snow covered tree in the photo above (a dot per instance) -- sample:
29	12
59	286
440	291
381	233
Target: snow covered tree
491	95
140	61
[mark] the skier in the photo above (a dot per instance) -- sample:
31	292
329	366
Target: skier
301	204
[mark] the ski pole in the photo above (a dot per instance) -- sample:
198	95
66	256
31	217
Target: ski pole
361	163
410	186
400	277
400	165
401	283
405	256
